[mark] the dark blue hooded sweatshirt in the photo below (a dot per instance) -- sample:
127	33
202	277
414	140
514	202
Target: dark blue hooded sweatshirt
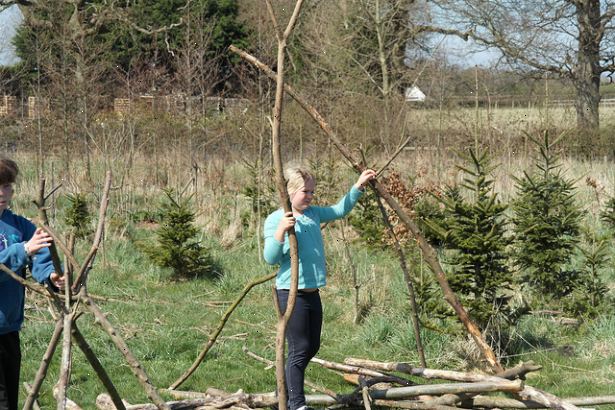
15	231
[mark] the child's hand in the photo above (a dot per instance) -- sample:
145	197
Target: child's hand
364	178
39	240
57	280
287	222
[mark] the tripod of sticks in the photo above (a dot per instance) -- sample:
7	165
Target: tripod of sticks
66	312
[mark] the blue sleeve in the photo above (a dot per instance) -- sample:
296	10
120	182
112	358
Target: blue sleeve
15	258
273	250
342	208
41	265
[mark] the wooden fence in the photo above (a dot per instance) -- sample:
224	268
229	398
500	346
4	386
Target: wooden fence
34	108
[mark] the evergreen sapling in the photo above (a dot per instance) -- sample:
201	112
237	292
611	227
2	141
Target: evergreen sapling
589	297
473	236
78	216
177	245
547	223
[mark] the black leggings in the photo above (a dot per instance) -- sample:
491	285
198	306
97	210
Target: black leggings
10	362
303	338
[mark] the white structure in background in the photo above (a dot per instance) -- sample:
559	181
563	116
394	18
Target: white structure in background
414	94
10	20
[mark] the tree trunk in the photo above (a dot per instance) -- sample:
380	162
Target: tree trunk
587	70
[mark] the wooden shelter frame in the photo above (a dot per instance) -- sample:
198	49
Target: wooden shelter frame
66	313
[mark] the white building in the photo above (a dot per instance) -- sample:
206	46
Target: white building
10	20
414	94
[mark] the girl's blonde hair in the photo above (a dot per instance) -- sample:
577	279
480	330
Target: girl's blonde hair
296	175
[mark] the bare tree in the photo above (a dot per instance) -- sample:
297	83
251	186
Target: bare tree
573	39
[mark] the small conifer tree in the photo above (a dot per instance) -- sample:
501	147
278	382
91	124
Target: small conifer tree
177	244
78	216
473	234
547	223
607	215
367	220
589	297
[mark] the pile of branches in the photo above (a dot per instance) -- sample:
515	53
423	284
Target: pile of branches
393	385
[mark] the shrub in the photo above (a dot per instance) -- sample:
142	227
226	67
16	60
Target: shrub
430	208
607	215
547	224
177	245
590	293
78	216
473	234
366	219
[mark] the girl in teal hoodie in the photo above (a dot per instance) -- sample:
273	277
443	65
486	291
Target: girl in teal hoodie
21	245
305	324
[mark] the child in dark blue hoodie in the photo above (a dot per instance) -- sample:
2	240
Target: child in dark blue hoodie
21	245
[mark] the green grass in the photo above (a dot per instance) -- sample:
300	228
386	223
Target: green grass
165	324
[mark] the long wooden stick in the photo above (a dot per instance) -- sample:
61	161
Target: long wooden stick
394	393
214	335
527	393
448	388
87	264
358	370
44	366
98	368
284	200
418	371
34	287
42	212
67	346
409	283
428	251
65	366
399	150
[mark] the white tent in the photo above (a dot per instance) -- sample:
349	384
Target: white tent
414	93
10	20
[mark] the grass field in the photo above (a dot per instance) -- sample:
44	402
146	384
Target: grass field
166	322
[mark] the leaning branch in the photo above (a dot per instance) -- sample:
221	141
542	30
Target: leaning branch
135	366
81	277
214	335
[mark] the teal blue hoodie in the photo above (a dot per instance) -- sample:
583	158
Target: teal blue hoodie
15	231
312	266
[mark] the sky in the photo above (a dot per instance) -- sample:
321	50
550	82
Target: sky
466	54
10	18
